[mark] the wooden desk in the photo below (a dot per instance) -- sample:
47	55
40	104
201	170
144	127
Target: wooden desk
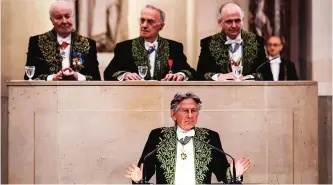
88	132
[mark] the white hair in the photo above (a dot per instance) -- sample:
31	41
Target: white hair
225	8
61	3
162	14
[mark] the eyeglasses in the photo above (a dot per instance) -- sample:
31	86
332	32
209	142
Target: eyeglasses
230	21
273	44
150	22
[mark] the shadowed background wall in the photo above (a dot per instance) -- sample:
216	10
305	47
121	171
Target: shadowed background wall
187	21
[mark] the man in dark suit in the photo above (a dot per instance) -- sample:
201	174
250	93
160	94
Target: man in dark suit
164	58
63	54
182	154
277	69
231	47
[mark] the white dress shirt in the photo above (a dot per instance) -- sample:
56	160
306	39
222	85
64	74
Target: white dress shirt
65	61
275	67
152	55
185	169
236	55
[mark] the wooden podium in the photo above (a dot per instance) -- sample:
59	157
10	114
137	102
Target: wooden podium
89	132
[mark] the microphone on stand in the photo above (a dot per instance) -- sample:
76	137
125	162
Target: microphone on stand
265	63
234	179
144	177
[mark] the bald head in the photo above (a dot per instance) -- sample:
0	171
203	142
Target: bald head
231	19
61	4
229	8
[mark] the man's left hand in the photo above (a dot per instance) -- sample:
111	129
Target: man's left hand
70	72
173	77
242	165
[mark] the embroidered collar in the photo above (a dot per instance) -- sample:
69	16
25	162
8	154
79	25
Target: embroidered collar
167	153
219	51
140	56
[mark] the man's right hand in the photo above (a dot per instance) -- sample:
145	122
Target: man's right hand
223	77
57	76
135	173
132	76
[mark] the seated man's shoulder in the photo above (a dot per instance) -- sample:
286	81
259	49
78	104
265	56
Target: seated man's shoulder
124	43
173	42
250	35
36	37
208	39
288	62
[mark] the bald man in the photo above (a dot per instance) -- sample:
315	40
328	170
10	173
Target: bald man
277	69
231	47
63	54
159	58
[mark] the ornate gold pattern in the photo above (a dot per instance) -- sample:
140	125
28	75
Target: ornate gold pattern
220	51
141	57
48	44
187	73
167	153
202	154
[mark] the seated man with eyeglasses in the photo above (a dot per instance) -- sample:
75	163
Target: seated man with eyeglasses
231	47
277	69
158	58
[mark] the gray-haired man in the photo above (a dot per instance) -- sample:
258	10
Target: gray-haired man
162	58
62	53
231	47
184	155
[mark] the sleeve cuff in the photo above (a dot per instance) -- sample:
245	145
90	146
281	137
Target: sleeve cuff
215	77
121	77
49	78
183	74
81	77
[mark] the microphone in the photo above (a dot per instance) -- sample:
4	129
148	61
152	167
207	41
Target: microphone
265	63
144	178
234	179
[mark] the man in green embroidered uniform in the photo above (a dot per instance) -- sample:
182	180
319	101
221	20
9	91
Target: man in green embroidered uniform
63	54
183	154
161	59
230	49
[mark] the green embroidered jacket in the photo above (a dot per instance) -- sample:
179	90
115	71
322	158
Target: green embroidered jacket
214	56
44	54
130	54
163	162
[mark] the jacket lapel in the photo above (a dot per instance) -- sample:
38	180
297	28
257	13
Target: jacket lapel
49	48
202	154
167	152
161	58
73	39
245	58
281	72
